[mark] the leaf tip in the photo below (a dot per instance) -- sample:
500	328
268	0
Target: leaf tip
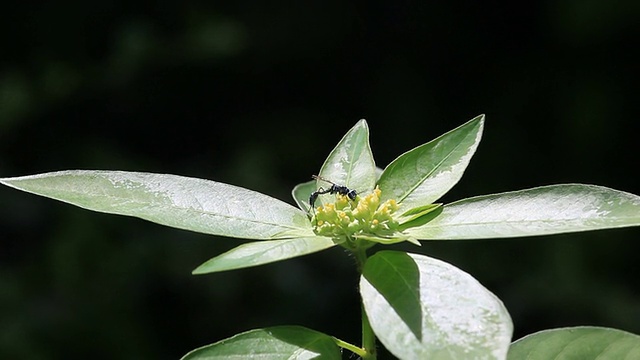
198	271
362	123
480	119
5	181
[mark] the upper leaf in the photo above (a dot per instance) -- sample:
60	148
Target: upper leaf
264	252
275	343
423	308
584	342
351	162
538	211
301	193
186	203
422	175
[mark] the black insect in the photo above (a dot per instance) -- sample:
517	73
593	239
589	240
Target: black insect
334	189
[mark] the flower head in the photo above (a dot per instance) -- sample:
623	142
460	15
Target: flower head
365	218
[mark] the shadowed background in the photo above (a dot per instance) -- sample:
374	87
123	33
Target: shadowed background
256	94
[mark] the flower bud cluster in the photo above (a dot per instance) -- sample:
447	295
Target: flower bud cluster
366	216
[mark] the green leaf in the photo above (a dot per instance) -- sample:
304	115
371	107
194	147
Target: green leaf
423	308
350	163
264	252
387	240
276	343
301	193
538	211
584	342
418	216
185	203
422	175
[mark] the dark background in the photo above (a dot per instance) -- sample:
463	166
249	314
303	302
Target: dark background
256	94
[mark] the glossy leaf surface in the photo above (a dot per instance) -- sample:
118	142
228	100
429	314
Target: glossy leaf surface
350	163
264	252
423	308
186	203
276	343
538	211
422	175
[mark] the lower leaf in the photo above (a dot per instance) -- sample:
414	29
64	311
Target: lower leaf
584	342
264	252
275	343
423	308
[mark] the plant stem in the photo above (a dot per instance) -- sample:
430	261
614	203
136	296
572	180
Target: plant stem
354	349
368	336
361	257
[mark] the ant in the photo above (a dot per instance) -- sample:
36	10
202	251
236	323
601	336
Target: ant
334	189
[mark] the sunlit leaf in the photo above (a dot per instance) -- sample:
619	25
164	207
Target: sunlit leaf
422	175
263	252
386	240
423	308
538	211
350	163
186	203
582	342
276	343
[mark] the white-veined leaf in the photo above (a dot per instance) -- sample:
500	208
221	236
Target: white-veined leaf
182	202
538	211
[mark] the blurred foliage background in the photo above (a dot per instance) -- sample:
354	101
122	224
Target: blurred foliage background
256	94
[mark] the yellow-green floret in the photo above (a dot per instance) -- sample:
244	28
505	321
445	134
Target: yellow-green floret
364	218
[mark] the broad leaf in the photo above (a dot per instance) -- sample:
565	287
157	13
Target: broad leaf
538	211
264	252
423	308
276	343
422	175
350	163
583	342
186	203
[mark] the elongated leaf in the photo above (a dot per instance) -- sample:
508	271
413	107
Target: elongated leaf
423	308
186	203
350	163
538	211
276	343
264	252
584	342
418	216
422	175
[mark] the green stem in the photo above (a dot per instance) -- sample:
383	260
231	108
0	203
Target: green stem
368	336
354	349
361	257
